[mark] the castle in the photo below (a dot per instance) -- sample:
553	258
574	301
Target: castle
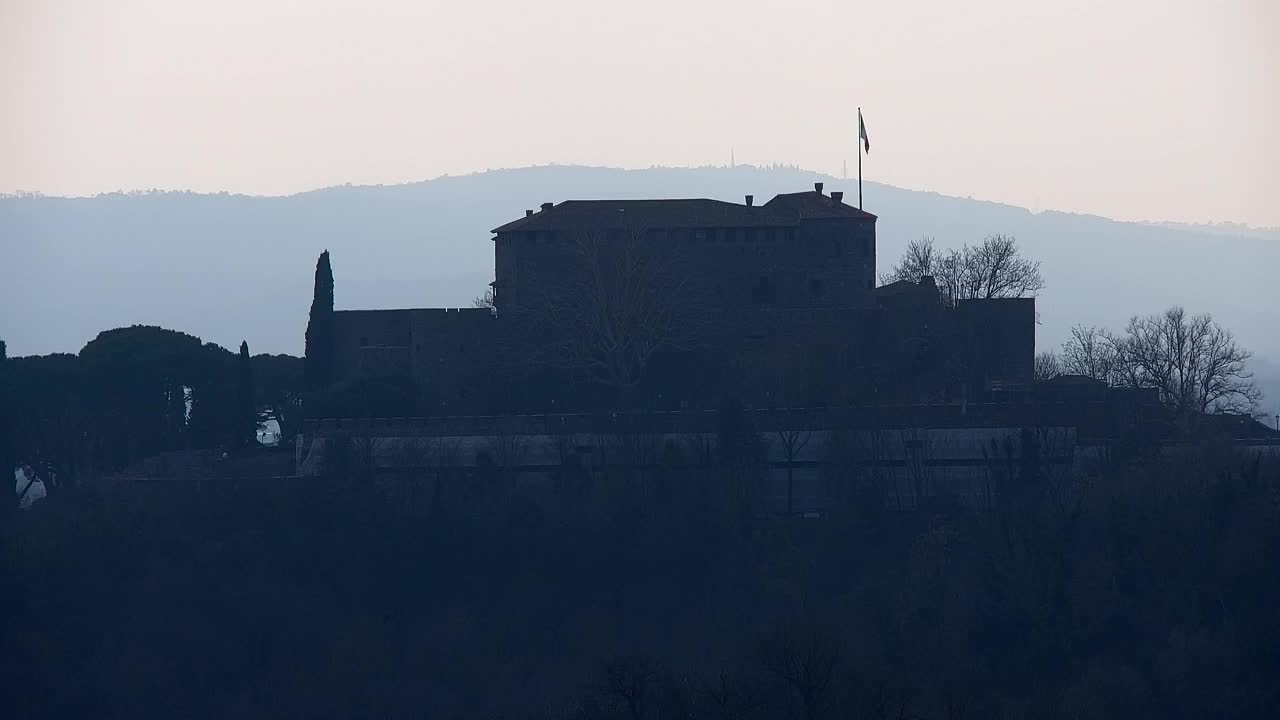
679	304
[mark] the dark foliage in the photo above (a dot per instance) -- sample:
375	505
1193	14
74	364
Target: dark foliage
246	417
278	381
319	338
1148	592
134	393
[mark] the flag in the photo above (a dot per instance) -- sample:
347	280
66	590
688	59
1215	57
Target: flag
862	133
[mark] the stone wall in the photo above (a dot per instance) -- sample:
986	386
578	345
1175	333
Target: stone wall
828	263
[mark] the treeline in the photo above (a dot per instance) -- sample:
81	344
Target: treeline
132	393
1147	592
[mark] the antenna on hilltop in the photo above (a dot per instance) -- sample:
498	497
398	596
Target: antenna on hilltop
733	163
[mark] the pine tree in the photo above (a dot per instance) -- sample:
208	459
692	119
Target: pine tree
246	416
319	349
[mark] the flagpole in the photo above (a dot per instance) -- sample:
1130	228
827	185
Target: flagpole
859	143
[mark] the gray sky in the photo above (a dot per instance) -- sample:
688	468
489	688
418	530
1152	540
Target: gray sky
1141	109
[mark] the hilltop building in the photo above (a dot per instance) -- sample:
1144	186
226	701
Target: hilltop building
783	294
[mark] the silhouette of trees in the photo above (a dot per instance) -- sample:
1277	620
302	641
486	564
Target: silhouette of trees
1047	366
279	383
792	442
131	393
1151	591
138	380
320	329
1090	352
920	259
990	270
52	432
1194	363
8	463
627	683
623	300
246	428
803	660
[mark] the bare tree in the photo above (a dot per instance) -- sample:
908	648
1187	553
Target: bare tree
1091	353
995	269
918	260
1194	363
621	299
486	301
1047	366
990	270
793	442
628	682
804	661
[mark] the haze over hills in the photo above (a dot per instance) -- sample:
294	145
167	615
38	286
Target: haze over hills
229	267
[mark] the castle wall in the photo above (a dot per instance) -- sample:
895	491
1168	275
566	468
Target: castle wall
371	342
999	340
818	263
446	352
453	354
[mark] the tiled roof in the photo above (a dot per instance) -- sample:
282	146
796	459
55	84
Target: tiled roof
645	214
814	205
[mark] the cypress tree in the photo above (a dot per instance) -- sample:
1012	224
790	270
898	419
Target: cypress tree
246	415
318	366
8	463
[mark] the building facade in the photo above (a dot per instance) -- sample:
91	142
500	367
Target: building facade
788	312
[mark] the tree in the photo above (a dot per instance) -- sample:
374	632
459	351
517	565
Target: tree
622	300
278	381
1047	366
1091	353
246	420
8	490
991	270
803	660
214	400
486	301
919	260
137	380
627	682
1191	361
52	433
319	338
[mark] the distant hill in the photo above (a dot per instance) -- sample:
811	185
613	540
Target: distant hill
230	267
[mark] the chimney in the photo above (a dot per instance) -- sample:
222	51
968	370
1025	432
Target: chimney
750	199
837	197
546	206
527	213
817	188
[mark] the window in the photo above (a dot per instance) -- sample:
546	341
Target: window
699	234
815	287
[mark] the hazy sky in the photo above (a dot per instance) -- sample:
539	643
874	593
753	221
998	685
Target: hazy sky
1135	109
